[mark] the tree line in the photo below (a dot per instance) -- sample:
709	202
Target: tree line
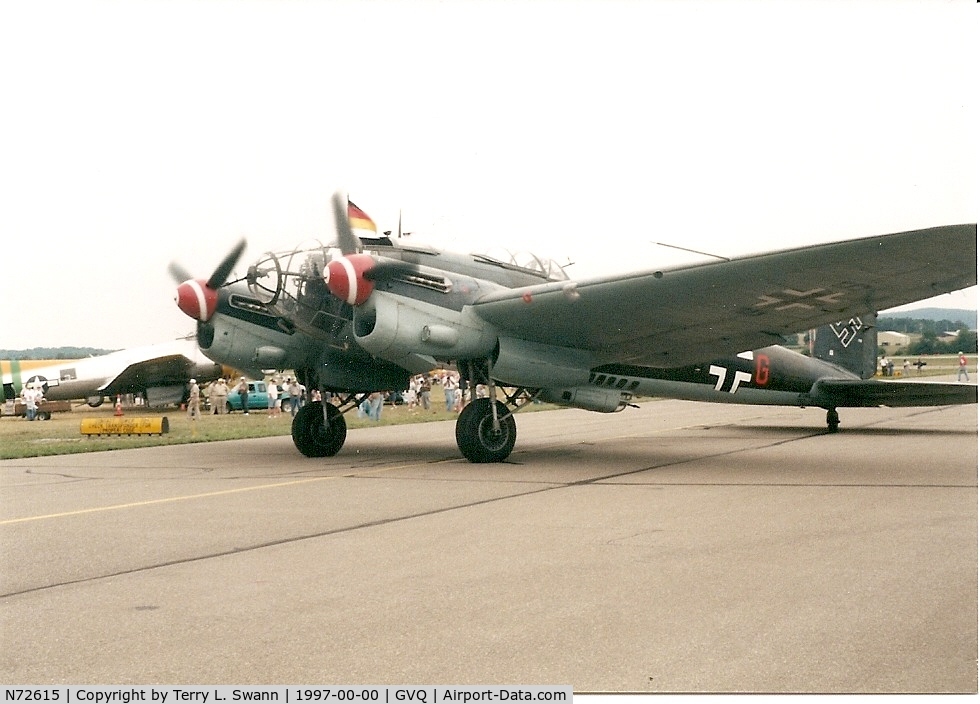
931	331
53	353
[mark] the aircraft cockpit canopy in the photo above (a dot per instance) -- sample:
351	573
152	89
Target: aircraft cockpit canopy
523	259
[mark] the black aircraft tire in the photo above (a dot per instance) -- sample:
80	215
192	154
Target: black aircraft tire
475	435
312	437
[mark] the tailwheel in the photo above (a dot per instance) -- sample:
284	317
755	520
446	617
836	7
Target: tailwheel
833	420
481	437
319	429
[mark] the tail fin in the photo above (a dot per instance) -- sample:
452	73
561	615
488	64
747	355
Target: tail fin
851	344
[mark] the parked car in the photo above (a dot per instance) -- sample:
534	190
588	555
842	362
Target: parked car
258	397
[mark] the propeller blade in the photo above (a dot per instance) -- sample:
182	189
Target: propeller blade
220	274
385	269
348	242
179	273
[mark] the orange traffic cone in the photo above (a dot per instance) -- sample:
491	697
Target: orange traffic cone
119	406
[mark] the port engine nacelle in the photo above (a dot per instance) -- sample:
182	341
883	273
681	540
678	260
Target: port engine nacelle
250	347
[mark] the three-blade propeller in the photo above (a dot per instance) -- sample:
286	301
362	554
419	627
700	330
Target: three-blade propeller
198	298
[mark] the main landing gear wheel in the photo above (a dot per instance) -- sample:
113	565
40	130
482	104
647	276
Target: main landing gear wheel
833	420
478	440
319	430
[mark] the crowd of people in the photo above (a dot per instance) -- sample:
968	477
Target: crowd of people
418	396
289	394
281	395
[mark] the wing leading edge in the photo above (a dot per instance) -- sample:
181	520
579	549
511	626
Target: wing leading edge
679	316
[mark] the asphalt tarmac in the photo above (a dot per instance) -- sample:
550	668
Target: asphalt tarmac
677	547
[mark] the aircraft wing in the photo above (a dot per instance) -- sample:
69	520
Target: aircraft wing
167	370
853	393
687	314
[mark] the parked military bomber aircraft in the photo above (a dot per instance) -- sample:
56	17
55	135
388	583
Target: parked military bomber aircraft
366	314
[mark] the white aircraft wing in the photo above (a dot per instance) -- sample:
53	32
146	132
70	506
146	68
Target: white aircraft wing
683	315
168	370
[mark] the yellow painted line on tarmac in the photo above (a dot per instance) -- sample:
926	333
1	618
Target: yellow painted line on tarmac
206	495
151	502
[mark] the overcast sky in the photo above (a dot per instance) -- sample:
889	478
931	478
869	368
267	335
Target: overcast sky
135	133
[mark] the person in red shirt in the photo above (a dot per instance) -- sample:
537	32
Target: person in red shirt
962	374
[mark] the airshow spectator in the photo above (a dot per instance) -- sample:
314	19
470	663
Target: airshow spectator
449	388
32	398
194	401
220	396
273	404
242	390
295	395
962	374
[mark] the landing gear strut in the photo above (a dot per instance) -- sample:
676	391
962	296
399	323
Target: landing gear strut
833	420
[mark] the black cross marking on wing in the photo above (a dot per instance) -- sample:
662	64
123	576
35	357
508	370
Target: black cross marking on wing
805	300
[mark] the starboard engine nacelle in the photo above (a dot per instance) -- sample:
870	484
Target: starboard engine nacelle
413	333
589	398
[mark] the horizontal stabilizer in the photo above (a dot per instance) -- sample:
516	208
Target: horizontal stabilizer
855	393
